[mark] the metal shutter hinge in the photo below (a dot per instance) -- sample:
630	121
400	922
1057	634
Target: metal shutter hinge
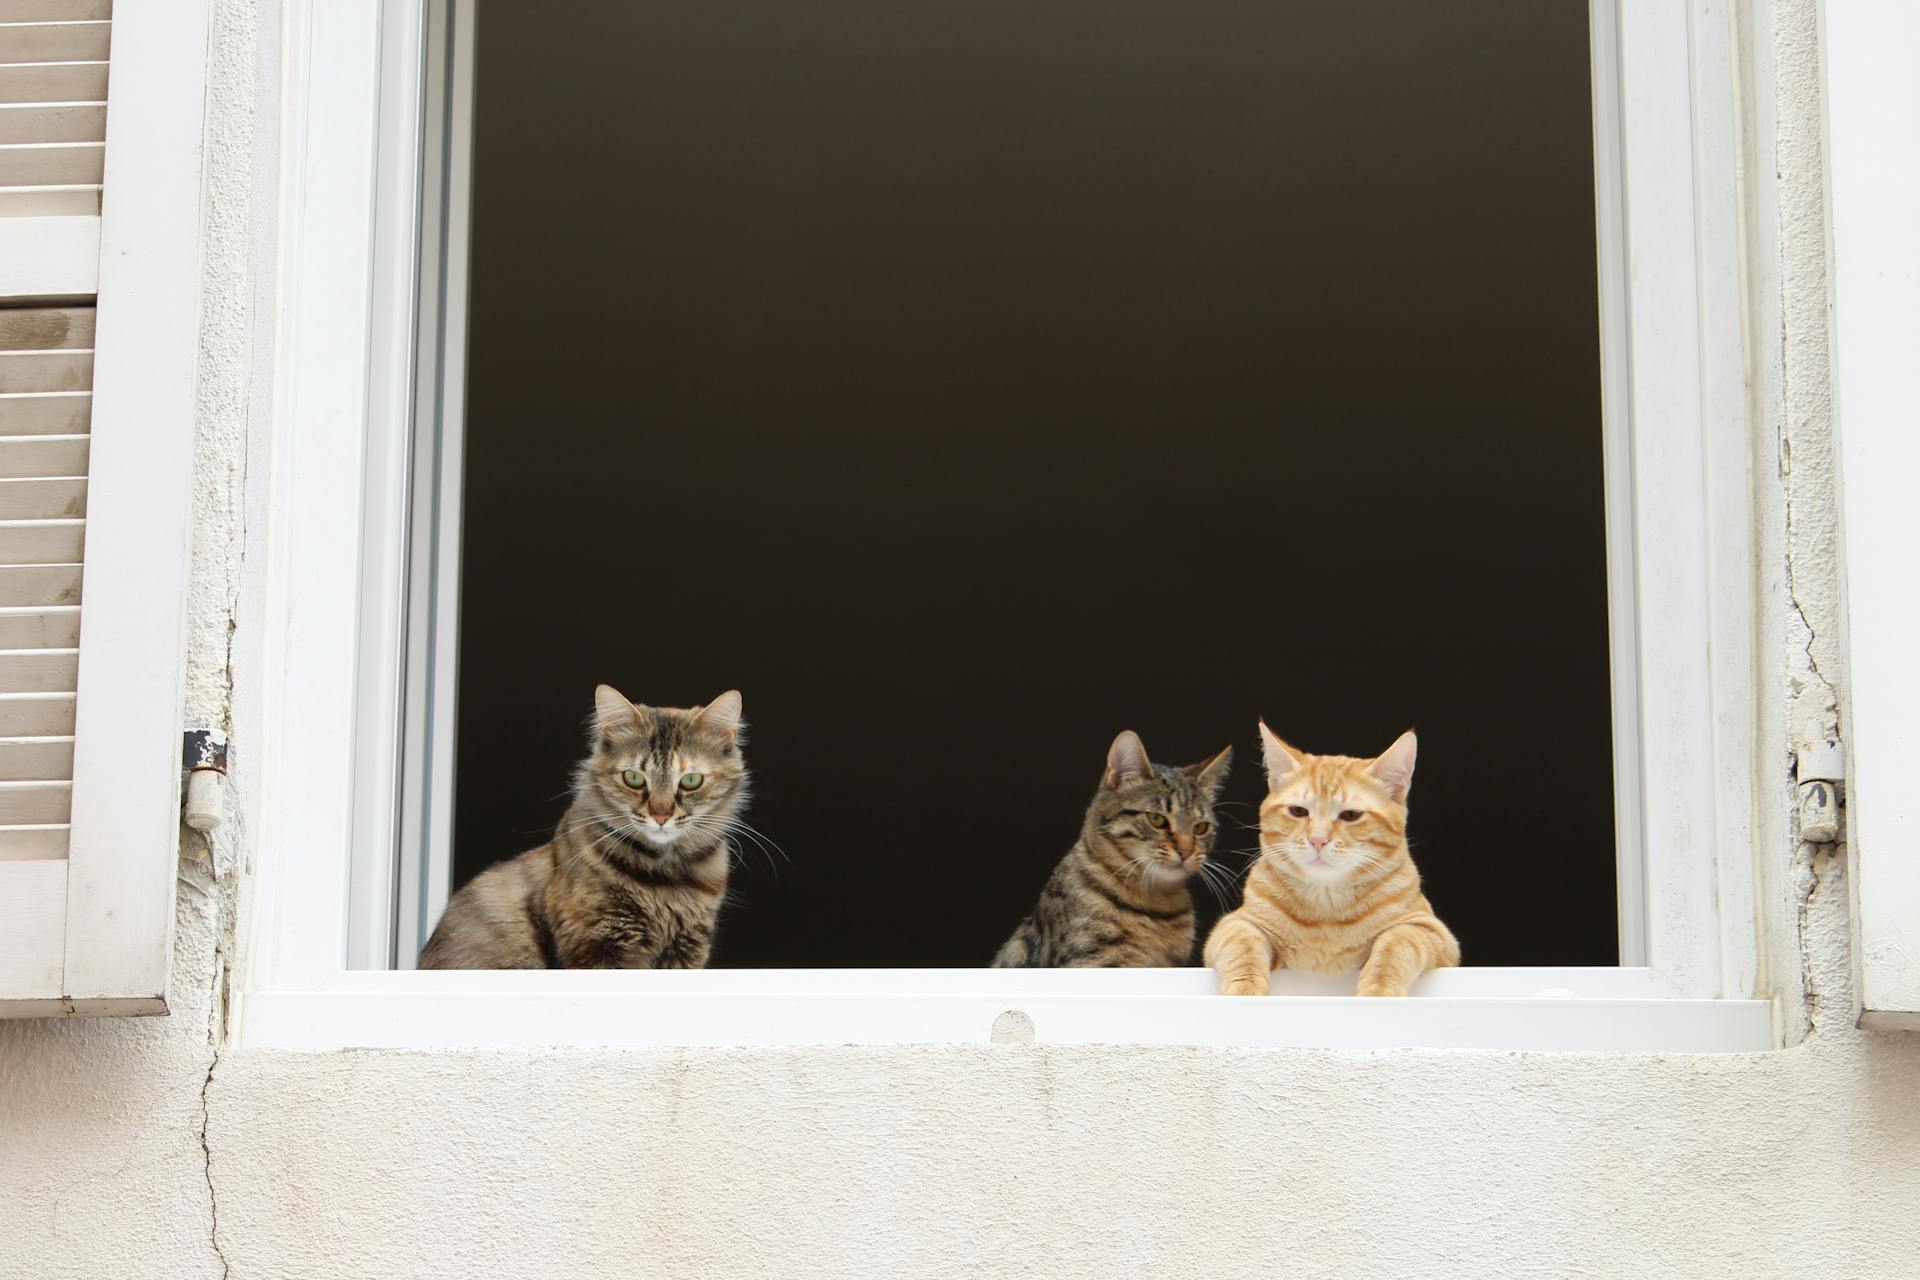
1820	768
204	756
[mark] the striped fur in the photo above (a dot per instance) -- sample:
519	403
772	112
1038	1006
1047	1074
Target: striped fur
635	874
1120	898
1335	888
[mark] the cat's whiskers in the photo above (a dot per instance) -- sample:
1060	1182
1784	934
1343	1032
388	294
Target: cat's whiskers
593	846
722	840
737	823
1219	882
726	825
1249	859
578	824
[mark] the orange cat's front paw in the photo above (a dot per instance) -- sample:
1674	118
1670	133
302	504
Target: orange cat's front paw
1249	986
1379	986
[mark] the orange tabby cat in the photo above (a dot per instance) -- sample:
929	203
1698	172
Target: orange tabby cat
1335	888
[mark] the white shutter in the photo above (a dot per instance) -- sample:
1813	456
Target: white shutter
1871	48
53	129
96	433
46	401
46	389
53	123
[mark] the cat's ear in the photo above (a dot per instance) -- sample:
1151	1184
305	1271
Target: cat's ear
722	715
1394	766
612	712
1127	760
1281	760
1210	774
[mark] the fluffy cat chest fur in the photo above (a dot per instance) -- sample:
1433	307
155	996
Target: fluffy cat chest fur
1329	929
603	916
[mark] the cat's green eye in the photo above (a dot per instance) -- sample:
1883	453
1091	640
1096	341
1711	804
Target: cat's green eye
691	781
1297	810
1351	815
1156	820
634	778
1201	828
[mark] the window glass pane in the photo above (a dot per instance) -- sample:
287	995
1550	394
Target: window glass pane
968	380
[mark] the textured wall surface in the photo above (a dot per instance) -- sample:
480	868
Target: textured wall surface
129	1149
103	1167
1067	1162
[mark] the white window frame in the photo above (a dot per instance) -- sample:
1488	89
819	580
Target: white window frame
93	933
1676	465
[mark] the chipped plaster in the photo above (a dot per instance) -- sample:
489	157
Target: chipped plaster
132	1147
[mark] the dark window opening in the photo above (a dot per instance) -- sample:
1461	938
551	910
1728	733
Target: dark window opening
968	380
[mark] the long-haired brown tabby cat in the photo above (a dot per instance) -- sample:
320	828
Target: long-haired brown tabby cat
1335	888
1120	898
637	868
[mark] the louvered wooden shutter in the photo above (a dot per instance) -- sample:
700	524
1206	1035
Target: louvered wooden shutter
46	386
53	122
100	219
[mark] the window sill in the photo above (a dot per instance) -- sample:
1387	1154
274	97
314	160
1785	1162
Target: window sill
1590	1010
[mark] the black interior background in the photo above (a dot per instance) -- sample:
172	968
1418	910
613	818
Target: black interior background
968	380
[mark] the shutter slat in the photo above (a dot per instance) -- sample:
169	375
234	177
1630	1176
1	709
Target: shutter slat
43	499
54	41
39	670
37	457
51	164
39	584
49	202
36	715
47	542
35	802
45	413
53	122
46	370
53	82
52	628
20	842
55	10
36	759
46	329
46	410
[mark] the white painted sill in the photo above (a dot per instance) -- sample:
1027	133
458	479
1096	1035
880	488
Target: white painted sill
1617	1010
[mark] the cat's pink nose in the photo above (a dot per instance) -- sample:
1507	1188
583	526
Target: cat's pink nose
1318	842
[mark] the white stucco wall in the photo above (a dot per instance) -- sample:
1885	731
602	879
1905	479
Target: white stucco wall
126	1151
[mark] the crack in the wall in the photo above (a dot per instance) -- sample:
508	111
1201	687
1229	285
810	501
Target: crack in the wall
206	1157
1830	711
224	413
218	903
1811	862
1801	411
1807	860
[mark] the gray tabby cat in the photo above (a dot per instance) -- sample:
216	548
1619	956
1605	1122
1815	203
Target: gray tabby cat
1120	898
637	868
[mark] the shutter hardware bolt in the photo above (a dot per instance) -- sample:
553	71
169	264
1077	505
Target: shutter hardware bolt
204	756
1820	767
